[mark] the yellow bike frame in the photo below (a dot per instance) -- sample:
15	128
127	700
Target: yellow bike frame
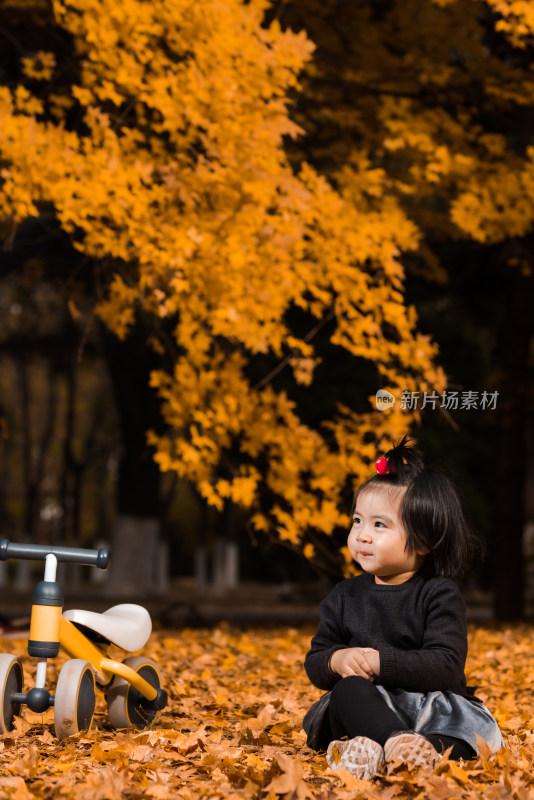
78	646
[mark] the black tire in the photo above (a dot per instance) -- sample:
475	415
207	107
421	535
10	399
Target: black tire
126	705
74	703
11	679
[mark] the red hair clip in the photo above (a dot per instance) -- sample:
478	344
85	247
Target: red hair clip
383	467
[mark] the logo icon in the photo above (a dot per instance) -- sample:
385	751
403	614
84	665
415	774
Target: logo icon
384	399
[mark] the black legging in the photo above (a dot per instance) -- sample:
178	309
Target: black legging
358	709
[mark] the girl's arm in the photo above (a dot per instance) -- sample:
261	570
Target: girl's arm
329	638
439	664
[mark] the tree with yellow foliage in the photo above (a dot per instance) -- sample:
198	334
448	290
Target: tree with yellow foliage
430	104
154	133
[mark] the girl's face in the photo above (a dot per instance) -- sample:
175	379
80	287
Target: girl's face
377	540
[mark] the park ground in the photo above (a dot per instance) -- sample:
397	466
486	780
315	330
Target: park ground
232	729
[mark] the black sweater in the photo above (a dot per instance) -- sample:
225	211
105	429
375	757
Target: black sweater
419	628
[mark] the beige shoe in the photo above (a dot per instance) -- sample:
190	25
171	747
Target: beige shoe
410	748
362	757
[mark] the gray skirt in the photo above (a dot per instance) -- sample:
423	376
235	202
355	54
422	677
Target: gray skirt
446	713
426	713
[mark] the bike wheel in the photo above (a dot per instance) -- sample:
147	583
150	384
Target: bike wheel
74	703
126	705
10	683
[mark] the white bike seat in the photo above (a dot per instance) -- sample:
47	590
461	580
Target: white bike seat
126	625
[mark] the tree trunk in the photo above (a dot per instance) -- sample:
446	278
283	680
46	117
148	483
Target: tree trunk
38	423
509	517
201	551
135	563
135	557
226	552
513	419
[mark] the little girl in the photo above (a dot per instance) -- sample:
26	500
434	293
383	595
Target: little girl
392	643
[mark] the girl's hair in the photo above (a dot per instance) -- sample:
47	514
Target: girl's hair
431	512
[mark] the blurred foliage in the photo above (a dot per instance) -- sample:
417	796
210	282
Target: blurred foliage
266	189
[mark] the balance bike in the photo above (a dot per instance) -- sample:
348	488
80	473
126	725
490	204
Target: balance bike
133	687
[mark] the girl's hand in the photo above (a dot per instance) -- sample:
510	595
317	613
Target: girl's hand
361	661
373	659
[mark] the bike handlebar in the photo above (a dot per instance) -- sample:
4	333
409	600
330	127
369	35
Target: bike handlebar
38	552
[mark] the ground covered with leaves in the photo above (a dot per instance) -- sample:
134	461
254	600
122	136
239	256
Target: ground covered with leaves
232	729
